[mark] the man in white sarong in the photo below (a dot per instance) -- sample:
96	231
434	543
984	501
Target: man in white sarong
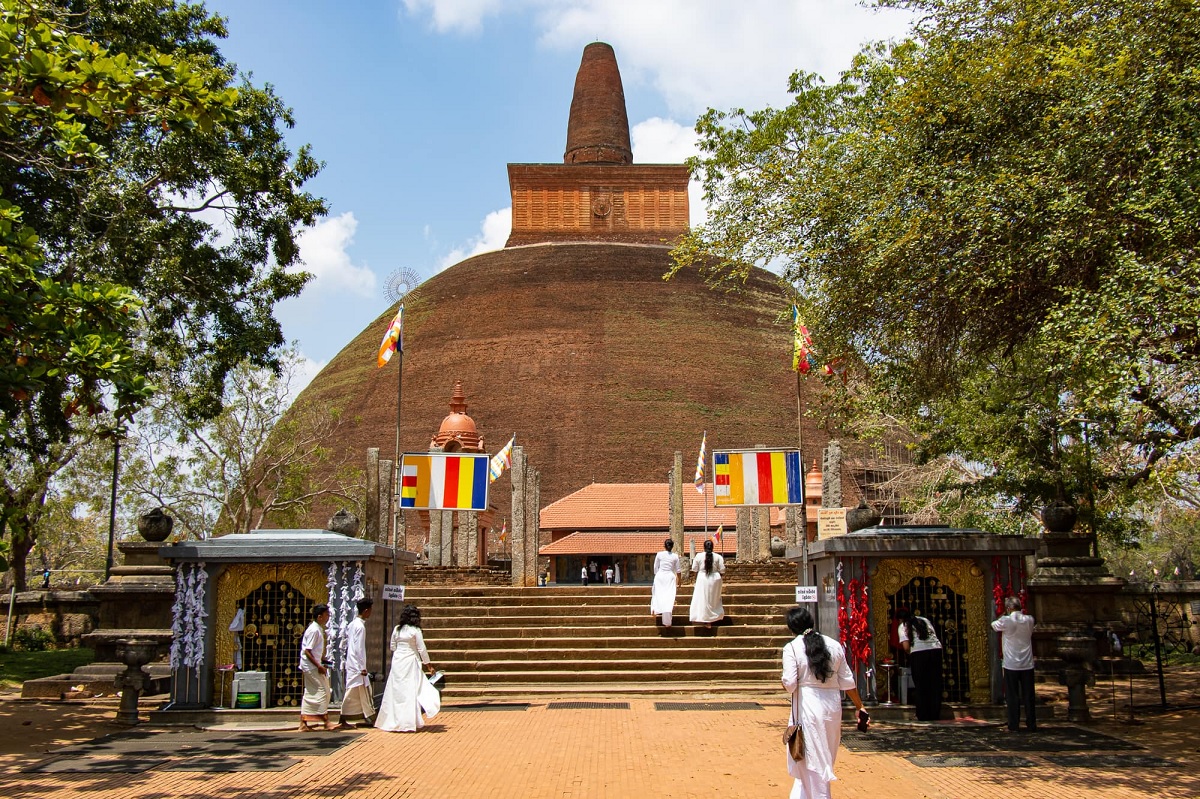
314	708
358	706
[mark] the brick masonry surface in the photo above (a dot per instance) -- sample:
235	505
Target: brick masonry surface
605	752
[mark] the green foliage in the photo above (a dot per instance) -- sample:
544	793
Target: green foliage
149	207
33	639
995	222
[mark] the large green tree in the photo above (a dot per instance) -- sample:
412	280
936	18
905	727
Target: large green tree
995	223
149	206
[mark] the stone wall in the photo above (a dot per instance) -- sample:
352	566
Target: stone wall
67	615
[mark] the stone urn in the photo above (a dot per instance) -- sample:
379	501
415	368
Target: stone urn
778	547
134	653
1059	516
155	525
344	522
861	517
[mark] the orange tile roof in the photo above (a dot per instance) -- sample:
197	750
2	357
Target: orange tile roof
632	506
631	544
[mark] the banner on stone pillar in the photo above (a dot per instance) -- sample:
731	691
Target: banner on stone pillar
757	477
444	481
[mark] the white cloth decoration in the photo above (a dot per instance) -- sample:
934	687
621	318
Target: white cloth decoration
187	616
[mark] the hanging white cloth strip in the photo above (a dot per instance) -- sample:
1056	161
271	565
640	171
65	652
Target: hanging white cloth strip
187	616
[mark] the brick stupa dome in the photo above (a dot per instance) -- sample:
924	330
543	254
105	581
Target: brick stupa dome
571	338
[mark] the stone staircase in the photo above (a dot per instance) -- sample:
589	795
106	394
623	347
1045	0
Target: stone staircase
494	641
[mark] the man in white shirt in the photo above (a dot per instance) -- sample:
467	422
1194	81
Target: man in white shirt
1016	631
358	706
314	708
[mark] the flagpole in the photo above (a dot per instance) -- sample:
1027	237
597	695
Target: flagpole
803	499
396	463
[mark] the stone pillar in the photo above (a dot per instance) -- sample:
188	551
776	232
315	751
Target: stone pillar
371	506
447	537
384	500
762	520
460	539
793	534
472	538
675	493
402	531
435	538
533	493
831	476
744	536
519	515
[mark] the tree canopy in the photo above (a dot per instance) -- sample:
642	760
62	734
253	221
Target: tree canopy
994	222
149	206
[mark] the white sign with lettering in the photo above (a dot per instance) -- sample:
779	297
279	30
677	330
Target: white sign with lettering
806	594
393	592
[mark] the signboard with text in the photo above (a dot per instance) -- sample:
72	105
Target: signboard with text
831	522
394	593
806	594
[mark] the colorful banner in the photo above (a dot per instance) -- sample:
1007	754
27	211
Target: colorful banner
757	477
441	481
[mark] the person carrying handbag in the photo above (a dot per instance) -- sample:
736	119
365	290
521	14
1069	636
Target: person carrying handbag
815	673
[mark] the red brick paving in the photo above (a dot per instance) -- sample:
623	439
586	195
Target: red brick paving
541	752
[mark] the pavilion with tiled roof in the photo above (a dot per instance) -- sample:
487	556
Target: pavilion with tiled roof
625	524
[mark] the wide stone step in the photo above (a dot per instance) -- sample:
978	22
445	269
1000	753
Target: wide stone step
633	675
640	621
542	644
640	627
710	690
665	665
470	594
568	613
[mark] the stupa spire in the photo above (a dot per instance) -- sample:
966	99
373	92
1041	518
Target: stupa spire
598	130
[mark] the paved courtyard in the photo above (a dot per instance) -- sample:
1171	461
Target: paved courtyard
671	747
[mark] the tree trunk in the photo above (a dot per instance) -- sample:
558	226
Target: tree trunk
19	556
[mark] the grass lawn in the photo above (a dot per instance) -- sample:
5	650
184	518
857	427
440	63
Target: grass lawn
17	667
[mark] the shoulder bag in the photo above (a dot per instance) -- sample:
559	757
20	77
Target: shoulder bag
793	737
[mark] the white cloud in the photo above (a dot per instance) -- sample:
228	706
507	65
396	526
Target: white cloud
493	234
323	251
459	16
696	53
305	370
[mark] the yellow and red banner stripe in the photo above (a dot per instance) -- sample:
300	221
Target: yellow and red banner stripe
440	481
757	477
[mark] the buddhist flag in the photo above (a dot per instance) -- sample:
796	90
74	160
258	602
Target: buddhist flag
716	537
757	477
503	530
393	339
699	481
443	481
804	357
500	461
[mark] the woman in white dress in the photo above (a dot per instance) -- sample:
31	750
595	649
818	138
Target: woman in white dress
815	673
408	692
708	567
662	597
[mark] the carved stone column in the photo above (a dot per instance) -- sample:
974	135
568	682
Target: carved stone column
519	516
435	538
371	506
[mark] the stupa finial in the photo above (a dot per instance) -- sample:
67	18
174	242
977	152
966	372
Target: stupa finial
598	130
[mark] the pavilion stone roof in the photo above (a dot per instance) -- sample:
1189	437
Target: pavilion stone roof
632	544
634	507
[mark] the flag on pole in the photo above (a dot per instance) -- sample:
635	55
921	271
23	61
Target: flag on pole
393	339
699	481
804	357
503	530
716	537
501	460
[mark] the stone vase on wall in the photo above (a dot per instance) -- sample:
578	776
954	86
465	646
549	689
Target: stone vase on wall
861	517
155	526
1059	516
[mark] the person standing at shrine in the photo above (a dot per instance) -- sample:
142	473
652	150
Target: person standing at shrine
706	607
314	708
583	576
608	574
358	706
1016	641
919	640
666	570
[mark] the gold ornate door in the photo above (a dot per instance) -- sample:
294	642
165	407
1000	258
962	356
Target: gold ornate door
950	593
278	600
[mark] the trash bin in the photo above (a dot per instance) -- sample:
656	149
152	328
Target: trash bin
249	689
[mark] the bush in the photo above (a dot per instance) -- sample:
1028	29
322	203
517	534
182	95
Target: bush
33	639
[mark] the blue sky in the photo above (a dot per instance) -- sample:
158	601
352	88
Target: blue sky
417	106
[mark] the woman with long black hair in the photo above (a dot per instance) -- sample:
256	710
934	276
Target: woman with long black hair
919	640
815	673
408	693
706	607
